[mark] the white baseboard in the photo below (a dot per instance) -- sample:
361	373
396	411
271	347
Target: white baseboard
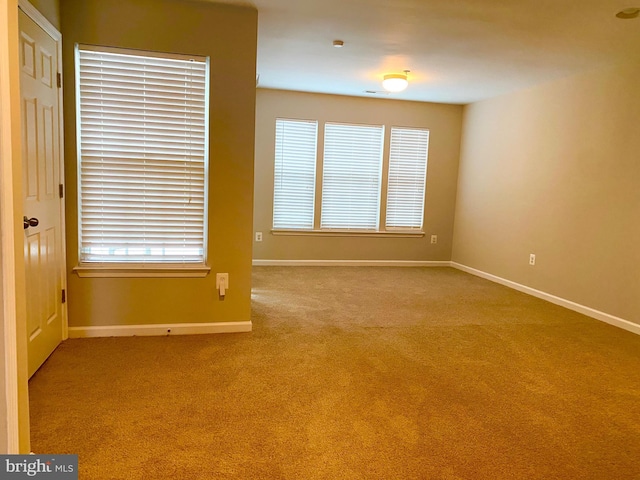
237	327
159	329
576	307
349	263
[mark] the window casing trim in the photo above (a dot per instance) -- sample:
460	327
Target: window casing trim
395	233
155	270
148	267
145	53
383	230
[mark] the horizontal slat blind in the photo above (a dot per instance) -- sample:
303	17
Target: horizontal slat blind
295	173
142	150
407	177
351	176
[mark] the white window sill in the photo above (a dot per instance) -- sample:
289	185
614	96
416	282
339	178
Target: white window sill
352	233
141	271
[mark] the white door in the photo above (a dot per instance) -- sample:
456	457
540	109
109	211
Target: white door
43	239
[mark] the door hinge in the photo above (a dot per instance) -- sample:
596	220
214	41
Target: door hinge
64	296
59	79
61	190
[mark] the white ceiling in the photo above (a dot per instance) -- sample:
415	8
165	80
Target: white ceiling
458	51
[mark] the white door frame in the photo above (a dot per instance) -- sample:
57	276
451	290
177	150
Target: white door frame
13	292
10	161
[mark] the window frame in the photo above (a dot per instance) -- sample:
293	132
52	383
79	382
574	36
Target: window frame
383	230
424	182
326	174
281	173
147	267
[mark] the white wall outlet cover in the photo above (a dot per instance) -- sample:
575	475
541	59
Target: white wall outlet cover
222	279
222	283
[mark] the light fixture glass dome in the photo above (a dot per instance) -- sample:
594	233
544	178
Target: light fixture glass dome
395	82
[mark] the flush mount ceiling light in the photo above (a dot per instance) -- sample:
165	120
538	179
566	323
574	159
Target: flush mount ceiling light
338	43
395	82
627	13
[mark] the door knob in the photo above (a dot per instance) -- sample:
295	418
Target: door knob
30	222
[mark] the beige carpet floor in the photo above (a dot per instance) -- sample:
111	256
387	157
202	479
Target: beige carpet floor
354	373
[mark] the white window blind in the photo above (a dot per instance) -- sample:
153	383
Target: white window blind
295	174
407	177
142	147
351	176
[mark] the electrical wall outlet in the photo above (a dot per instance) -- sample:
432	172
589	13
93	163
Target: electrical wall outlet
222	283
434	238
532	259
258	236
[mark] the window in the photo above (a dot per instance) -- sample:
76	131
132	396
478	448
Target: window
142	153
407	177
355	174
351	176
295	174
